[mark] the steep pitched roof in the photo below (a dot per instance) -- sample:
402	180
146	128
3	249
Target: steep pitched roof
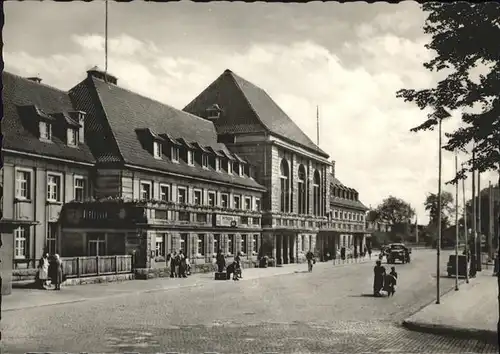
124	112
342	201
248	108
19	93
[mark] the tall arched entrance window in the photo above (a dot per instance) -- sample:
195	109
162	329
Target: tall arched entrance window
302	190
316	193
285	187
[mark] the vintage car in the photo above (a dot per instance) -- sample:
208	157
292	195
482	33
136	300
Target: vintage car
398	252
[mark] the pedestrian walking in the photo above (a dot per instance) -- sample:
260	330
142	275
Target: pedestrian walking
56	271
392	279
310	260
370	253
220	260
378	278
342	253
43	272
238	270
173	265
182	265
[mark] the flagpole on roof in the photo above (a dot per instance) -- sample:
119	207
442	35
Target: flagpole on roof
106	43
317	126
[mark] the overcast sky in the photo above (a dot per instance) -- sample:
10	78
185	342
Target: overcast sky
349	59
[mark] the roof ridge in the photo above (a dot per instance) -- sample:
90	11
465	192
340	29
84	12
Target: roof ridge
35	83
107	119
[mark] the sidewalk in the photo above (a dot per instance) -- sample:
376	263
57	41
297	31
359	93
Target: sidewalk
471	312
27	298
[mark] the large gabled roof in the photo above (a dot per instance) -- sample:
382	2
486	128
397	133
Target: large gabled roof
335	182
247	109
124	113
20	93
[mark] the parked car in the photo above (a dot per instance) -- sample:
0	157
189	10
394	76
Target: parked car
398	252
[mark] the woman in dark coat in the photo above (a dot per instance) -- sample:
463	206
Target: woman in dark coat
220	260
56	271
378	281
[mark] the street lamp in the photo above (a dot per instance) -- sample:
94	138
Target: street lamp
456	224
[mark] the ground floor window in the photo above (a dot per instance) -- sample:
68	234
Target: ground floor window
217	244
230	244
96	244
160	246
255	239
184	238
201	245
51	238
303	247
244	243
21	236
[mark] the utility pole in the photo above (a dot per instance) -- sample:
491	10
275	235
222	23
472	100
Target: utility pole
456	223
438	244
474	220
416	230
479	228
491	219
106	41
465	230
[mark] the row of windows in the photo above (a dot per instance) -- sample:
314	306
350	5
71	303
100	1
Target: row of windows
344	215
342	193
54	186
206	161
72	134
302	188
245	246
198	197
21	240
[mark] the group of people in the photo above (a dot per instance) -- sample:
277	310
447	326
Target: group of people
180	266
234	268
383	281
50	272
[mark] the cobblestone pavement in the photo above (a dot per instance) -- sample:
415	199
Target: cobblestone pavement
327	311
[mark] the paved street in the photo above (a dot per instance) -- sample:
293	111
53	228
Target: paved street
329	310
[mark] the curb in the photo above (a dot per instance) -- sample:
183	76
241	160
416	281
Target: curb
486	336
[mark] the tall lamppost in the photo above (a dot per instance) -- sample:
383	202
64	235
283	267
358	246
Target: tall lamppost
465	231
456	223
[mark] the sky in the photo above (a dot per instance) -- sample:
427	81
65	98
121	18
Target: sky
349	59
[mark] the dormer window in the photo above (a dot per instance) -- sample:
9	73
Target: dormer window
72	137
157	150
229	167
190	158
204	160
174	154
45	131
217	164
240	167
213	112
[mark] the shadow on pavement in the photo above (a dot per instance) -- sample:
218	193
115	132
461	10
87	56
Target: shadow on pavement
363	295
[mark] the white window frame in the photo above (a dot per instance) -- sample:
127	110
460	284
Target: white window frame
227	200
160	251
47	130
157	149
72	136
216	244
217	163
250	204
60	187
200	239
204	160
200	191
185	194
209	193
150	189
174	154
49	237
234	201
21	242
190	157
257	205
240	169
255	240
229	167
75	187
29	176
244	237
169	192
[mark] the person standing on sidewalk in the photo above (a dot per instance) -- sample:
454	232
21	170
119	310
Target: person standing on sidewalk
56	271
310	260
182	265
43	271
237	260
392	279
173	265
378	278
220	260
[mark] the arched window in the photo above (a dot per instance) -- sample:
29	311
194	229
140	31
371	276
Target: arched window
316	193
302	189
285	186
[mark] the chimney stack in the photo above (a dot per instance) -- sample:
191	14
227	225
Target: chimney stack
333	168
35	79
99	74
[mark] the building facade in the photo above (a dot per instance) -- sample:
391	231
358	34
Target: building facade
46	163
293	169
103	171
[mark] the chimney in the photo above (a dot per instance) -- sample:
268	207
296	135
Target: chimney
101	75
333	168
35	79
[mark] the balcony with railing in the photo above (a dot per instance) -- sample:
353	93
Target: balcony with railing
293	221
125	214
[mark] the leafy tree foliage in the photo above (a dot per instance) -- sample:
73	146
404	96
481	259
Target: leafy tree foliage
394	211
464	35
447	208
